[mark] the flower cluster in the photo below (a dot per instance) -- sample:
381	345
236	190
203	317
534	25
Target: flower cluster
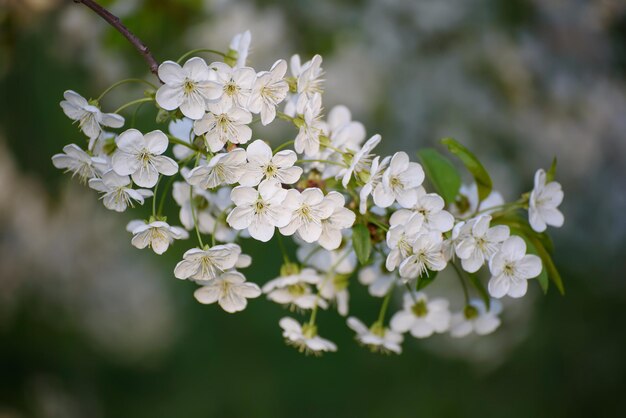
351	212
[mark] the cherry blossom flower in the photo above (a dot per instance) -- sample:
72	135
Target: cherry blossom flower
360	161
78	162
304	337
158	235
476	318
404	229
140	157
421	317
207	264
310	80
467	201
230	290
544	202
293	288
89	117
426	255
511	268
224	123
223	168
477	242
374	178
268	91
263	165
401	176
307	209
182	129
187	87
377	338
239	48
232	86
430	205
117	191
311	127
259	211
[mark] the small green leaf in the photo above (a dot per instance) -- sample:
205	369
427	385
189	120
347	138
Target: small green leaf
551	174
426	279
548	264
484	295
483	181
441	173
520	223
362	243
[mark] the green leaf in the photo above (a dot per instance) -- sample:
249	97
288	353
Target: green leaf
548	264
441	173
362	243
520	223
483	181
551	174
484	295
426	279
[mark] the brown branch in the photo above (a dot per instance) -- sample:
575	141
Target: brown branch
117	24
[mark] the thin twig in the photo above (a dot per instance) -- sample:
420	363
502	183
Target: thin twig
117	24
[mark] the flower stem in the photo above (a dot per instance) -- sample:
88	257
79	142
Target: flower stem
134	102
463	284
283	145
195	51
384	306
322	161
281	244
154	197
128	80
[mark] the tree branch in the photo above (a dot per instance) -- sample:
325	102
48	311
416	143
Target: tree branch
117	24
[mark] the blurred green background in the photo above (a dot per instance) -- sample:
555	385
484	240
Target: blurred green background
92	327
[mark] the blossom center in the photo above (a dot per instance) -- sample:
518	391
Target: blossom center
231	89
420	309
189	86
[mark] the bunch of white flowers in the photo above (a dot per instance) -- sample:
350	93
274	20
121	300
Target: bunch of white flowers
351	212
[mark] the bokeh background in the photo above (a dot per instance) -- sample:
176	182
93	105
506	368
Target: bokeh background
92	327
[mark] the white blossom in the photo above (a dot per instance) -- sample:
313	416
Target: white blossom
304	337
223	168
377	338
307	209
89	117
426	255
140	157
467	201
268	91
400	177
259	210
293	288
224	123
263	165
476	318
158	235
404	229
187	87
511	268
477	242
373	179
232	86
311	127
230	290
78	162
310	80
207	264
117	191
196	202
239	47
544	202
360	161
430	205
421	317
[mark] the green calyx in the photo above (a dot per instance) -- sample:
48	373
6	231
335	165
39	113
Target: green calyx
470	312
289	269
420	309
